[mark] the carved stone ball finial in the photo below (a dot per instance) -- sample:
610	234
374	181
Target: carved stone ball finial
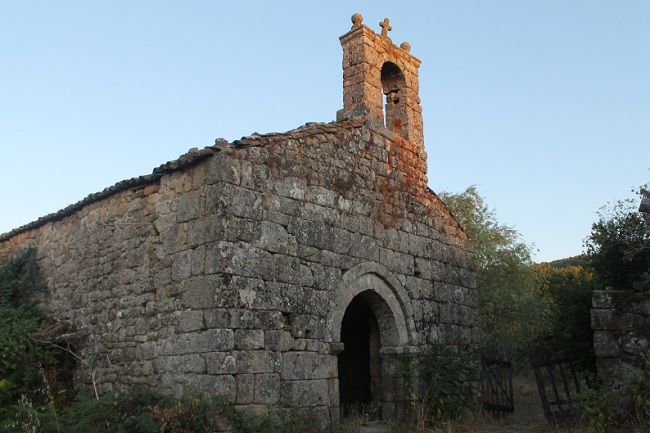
385	27
357	19
405	46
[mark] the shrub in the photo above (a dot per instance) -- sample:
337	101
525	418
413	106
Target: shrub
510	312
448	373
602	409
143	411
34	397
597	410
567	292
23	363
640	393
446	376
618	247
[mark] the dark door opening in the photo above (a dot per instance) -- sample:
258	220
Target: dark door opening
359	365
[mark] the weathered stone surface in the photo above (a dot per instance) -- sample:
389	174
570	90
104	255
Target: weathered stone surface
209	385
220	363
198	342
249	339
279	340
181	364
304	393
269	320
190	320
200	292
601	319
229	270
274	238
217	318
602	299
605	344
267	388
245	388
181	265
621	323
304	365
255	361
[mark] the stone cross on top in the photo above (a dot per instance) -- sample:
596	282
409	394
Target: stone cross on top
385	27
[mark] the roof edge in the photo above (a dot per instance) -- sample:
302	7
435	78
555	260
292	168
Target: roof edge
453	217
192	157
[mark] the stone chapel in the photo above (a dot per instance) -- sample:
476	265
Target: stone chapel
292	270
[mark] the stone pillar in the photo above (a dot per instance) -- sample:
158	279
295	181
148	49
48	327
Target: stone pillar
620	320
400	381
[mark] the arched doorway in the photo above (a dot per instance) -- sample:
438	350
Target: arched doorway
367	325
359	365
371	302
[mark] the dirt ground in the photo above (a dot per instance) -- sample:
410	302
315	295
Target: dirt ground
527	418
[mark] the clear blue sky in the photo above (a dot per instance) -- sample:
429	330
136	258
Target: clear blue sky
545	105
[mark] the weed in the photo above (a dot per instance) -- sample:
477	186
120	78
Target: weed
640	394
442	392
597	410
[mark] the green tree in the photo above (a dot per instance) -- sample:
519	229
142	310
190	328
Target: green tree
567	291
618	247
511	312
24	364
18	279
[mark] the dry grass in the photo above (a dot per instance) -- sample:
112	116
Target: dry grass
528	418
479	425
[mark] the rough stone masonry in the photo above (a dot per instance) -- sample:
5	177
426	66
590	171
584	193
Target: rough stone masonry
620	320
291	270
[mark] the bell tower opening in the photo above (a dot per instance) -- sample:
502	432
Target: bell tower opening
359	365
381	87
393	85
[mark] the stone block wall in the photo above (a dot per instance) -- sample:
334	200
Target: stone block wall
230	275
621	323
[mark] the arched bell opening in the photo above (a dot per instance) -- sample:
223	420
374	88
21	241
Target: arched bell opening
393	86
367	326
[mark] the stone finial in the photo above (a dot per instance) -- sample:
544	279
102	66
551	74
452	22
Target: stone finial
385	27
405	46
357	19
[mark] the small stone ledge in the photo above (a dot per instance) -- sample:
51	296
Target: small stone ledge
399	350
336	348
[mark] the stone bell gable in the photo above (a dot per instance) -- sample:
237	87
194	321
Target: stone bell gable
375	70
294	270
